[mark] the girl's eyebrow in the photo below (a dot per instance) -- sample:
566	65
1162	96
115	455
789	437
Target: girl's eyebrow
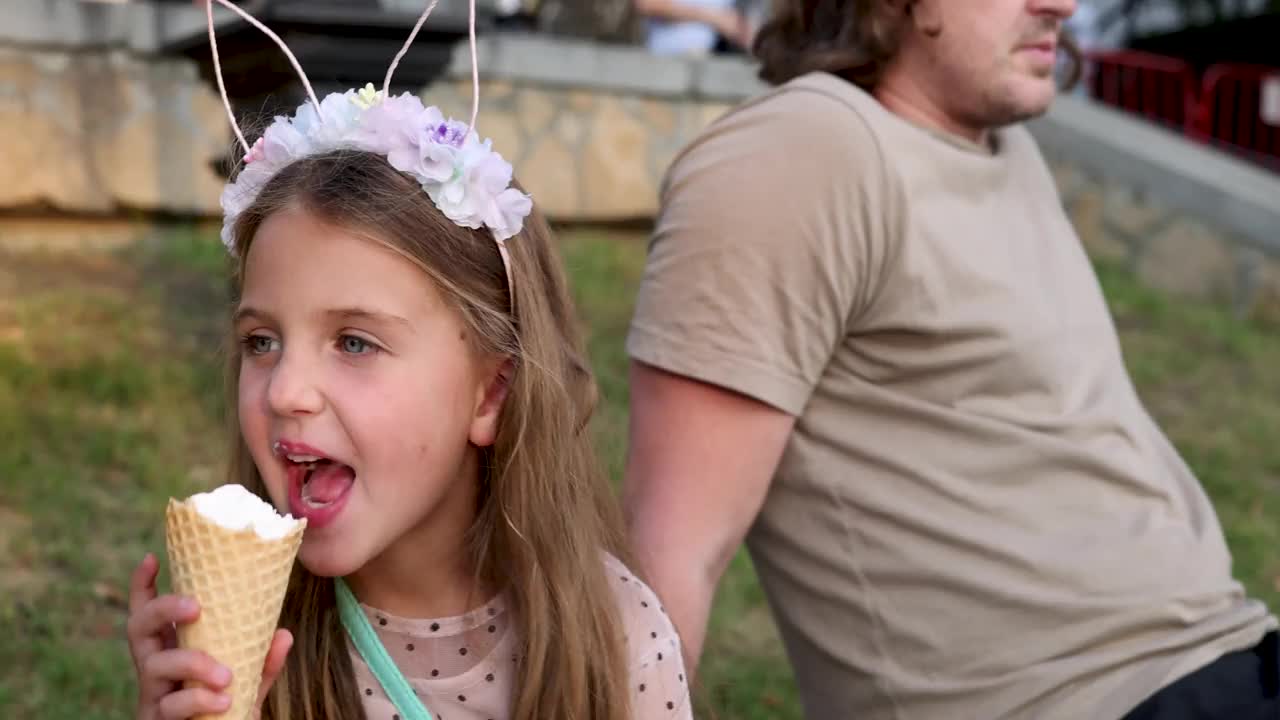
356	313
248	312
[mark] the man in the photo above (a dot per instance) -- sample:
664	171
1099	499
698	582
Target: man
868	335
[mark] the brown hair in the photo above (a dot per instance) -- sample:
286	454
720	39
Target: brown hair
854	39
545	512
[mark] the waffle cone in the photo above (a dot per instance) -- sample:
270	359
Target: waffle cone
239	580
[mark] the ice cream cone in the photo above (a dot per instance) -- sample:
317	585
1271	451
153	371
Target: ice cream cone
239	579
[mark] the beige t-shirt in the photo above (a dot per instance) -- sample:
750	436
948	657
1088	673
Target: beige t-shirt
975	517
463	668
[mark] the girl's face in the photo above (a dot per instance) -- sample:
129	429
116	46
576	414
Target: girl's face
360	398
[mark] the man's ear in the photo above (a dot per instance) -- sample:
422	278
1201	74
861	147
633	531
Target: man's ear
925	16
491	395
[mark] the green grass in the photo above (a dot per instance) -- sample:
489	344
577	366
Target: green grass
107	405
110	402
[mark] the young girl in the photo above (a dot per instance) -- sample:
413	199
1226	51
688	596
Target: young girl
411	381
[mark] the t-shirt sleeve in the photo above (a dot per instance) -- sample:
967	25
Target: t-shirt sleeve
659	688
768	245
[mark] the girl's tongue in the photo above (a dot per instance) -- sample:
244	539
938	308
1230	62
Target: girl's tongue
327	482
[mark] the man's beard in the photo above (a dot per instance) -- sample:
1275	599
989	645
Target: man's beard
1001	108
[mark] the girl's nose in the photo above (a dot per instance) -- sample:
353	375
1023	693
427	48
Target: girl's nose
293	390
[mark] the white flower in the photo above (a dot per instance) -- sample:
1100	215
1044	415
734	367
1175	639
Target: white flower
480	194
237	196
513	207
340	116
282	143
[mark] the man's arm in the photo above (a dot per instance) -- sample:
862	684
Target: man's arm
699	466
752	280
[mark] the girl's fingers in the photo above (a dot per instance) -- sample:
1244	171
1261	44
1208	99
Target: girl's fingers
147	625
191	702
178	666
280	645
142	585
142	593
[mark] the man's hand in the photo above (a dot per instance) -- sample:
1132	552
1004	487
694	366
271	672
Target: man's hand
699	465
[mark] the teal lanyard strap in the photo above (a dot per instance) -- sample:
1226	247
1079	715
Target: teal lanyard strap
376	657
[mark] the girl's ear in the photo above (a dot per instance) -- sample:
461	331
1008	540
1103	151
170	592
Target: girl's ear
490	396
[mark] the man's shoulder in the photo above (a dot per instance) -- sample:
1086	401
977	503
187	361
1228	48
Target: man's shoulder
818	120
838	92
814	100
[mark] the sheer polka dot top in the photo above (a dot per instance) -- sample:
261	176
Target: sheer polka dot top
462	668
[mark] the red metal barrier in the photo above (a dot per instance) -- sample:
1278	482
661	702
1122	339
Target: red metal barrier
1235	107
1233	111
1161	89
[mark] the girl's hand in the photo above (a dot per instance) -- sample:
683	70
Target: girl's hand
162	668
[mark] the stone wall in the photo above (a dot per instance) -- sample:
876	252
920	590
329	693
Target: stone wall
102	132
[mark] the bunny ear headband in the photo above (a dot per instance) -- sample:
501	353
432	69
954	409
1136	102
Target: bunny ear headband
466	179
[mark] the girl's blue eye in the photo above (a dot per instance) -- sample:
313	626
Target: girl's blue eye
259	344
355	345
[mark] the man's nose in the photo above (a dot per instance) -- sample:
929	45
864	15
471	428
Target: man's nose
1061	9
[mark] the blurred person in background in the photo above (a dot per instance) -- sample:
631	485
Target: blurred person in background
693	27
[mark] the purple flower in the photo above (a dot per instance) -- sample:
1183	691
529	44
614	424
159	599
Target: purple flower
451	133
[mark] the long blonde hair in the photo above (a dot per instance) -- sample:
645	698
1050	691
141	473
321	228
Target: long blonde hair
545	513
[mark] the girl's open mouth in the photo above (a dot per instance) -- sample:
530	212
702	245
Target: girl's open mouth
324	481
318	484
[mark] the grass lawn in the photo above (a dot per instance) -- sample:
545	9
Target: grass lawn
110	397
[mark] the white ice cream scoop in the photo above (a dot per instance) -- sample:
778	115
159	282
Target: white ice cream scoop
235	508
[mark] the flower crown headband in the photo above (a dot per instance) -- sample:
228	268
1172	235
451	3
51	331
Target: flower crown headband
466	179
